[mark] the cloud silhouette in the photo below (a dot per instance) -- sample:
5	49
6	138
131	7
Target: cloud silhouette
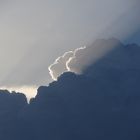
11	105
100	103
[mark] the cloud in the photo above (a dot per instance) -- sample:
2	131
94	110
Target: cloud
61	64
11	105
75	52
100	103
29	91
86	56
81	58
34	32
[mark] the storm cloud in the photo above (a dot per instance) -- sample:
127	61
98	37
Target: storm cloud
59	65
94	90
101	103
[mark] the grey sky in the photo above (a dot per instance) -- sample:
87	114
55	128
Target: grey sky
33	33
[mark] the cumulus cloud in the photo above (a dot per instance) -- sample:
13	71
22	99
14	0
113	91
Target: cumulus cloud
104	105
91	54
81	58
101	103
11	104
61	64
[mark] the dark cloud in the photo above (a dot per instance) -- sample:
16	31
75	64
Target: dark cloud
11	105
33	33
101	103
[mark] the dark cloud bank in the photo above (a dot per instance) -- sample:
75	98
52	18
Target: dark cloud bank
103	103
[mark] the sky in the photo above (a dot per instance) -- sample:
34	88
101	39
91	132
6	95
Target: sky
33	33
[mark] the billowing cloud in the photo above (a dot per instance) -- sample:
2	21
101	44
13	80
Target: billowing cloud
85	57
75	52
81	58
35	32
61	64
29	91
100	103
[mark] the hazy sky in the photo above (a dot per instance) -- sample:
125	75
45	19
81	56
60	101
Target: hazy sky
33	33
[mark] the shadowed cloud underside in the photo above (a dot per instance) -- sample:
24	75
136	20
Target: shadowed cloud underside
101	103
